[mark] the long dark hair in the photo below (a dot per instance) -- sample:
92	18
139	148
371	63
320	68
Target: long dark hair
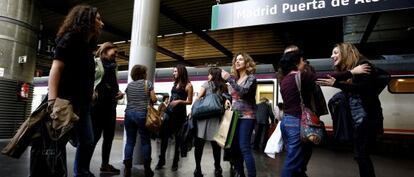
289	62
219	83
80	19
182	76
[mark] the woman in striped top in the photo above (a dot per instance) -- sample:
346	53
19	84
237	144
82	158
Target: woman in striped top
139	93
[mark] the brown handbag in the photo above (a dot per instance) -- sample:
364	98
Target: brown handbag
153	119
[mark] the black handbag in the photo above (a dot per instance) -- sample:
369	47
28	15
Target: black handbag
208	107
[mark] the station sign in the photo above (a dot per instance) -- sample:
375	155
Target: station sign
261	12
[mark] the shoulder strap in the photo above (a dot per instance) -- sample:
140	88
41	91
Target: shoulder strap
146	91
145	86
299	85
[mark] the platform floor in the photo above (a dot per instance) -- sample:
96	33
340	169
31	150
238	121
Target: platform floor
324	163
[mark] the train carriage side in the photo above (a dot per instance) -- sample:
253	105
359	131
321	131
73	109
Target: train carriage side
396	99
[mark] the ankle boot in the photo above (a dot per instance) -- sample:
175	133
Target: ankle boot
161	163
147	167
218	172
174	166
127	167
198	173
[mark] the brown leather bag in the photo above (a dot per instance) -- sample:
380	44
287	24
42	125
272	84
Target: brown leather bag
153	120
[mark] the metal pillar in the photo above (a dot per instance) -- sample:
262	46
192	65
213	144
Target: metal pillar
143	46
19	25
144	35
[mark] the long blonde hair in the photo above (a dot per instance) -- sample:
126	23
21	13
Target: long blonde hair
248	60
350	56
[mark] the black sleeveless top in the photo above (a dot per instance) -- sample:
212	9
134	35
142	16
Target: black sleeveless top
179	94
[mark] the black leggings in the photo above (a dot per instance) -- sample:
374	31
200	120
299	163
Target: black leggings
198	152
103	122
171	126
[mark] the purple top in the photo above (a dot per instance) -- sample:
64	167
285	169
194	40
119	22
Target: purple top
290	92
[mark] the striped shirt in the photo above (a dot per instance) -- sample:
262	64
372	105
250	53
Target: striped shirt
137	99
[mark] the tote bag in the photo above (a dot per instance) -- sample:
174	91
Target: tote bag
208	107
225	134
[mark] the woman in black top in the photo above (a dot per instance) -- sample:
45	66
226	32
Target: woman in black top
181	96
366	89
72	75
106	96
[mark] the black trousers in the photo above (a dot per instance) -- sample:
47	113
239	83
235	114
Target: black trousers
364	139
103	123
260	138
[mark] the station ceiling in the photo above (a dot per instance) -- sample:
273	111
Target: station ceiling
189	20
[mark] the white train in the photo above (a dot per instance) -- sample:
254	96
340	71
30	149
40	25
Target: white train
397	107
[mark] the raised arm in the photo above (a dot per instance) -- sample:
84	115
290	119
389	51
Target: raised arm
243	89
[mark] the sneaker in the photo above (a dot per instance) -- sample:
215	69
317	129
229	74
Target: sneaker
109	169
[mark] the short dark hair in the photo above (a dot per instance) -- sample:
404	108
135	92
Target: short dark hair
139	72
289	62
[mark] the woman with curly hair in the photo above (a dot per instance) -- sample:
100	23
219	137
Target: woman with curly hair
72	76
243	87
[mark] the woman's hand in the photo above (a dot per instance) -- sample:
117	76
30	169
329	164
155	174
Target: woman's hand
227	104
94	95
361	69
174	103
225	75
326	82
119	95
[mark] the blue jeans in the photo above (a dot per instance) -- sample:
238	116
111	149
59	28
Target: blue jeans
135	122
85	142
242	147
298	153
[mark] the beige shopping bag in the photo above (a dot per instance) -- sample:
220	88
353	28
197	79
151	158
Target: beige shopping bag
224	129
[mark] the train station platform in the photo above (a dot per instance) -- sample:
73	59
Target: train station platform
325	162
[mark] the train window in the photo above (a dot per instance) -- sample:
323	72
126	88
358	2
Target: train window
401	85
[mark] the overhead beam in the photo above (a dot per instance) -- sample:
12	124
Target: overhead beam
370	27
125	36
113	30
182	22
173	55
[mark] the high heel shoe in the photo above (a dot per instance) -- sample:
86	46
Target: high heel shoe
160	164
218	172
198	173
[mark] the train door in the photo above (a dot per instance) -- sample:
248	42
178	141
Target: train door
267	89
